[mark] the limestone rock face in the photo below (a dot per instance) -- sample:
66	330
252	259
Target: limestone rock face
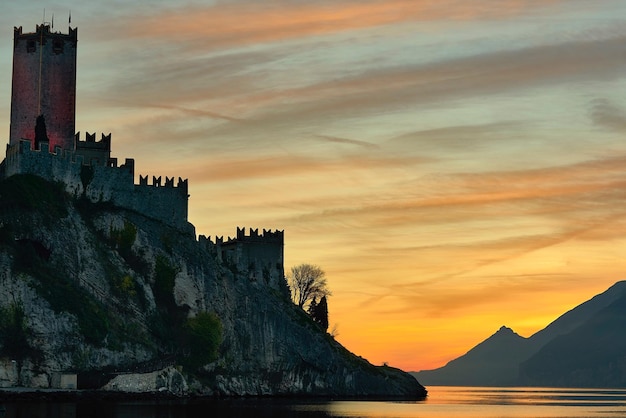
101	289
167	380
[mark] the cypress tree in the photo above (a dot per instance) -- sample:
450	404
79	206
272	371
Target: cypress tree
321	314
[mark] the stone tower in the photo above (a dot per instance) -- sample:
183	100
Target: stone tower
44	84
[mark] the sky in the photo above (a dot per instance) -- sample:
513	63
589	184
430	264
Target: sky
452	165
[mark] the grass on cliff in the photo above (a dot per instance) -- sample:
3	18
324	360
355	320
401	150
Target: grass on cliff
27	192
195	341
98	325
16	335
203	336
64	295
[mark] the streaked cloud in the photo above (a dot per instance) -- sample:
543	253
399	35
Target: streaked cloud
446	161
608	115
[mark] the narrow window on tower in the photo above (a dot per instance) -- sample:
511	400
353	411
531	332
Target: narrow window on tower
57	46
30	45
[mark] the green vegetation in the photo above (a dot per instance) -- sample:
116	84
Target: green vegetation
124	286
27	192
167	322
64	295
199	338
164	280
203	335
123	239
99	325
14	333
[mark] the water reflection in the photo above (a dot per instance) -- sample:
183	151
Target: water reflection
442	402
530	396
165	409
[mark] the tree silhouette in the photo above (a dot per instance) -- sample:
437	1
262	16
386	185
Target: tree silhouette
312	307
321	313
307	282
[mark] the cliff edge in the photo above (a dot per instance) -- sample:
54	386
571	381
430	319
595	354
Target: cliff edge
104	294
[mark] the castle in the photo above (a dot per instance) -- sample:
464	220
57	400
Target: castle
43	142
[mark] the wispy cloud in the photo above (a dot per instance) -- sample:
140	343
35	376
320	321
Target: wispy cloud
432	155
606	114
357	142
244	22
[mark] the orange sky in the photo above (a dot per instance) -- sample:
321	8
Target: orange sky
453	166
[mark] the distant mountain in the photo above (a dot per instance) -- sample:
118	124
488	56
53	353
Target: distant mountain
579	315
491	363
586	346
592	355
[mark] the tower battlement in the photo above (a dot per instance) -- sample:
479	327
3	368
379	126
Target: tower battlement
43	34
260	254
90	141
43	140
169	182
94	152
268	236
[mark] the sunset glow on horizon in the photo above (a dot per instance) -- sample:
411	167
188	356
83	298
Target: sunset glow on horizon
452	166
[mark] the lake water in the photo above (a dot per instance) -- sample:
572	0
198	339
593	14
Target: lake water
442	402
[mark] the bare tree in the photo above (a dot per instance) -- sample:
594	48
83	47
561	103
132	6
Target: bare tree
307	282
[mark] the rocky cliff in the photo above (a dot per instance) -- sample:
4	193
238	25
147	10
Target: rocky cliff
95	290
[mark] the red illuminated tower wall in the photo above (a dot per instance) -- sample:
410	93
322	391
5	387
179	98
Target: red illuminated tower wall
44	82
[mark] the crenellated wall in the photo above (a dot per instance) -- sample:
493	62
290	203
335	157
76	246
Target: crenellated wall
103	183
93	152
44	84
259	254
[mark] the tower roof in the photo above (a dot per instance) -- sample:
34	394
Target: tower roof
43	32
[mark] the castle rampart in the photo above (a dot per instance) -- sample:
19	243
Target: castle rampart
103	183
259	254
94	152
43	139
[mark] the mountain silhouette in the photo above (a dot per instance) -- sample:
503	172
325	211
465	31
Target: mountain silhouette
586	347
491	363
592	355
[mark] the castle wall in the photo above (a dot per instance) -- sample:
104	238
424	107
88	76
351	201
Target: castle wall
44	82
93	152
55	165
168	204
165	202
259	254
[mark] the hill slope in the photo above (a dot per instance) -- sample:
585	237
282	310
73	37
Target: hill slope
591	355
491	363
94	289
553	356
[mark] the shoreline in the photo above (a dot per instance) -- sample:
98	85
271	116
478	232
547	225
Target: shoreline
77	395
31	394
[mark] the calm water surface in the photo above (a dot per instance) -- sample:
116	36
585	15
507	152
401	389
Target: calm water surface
441	402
